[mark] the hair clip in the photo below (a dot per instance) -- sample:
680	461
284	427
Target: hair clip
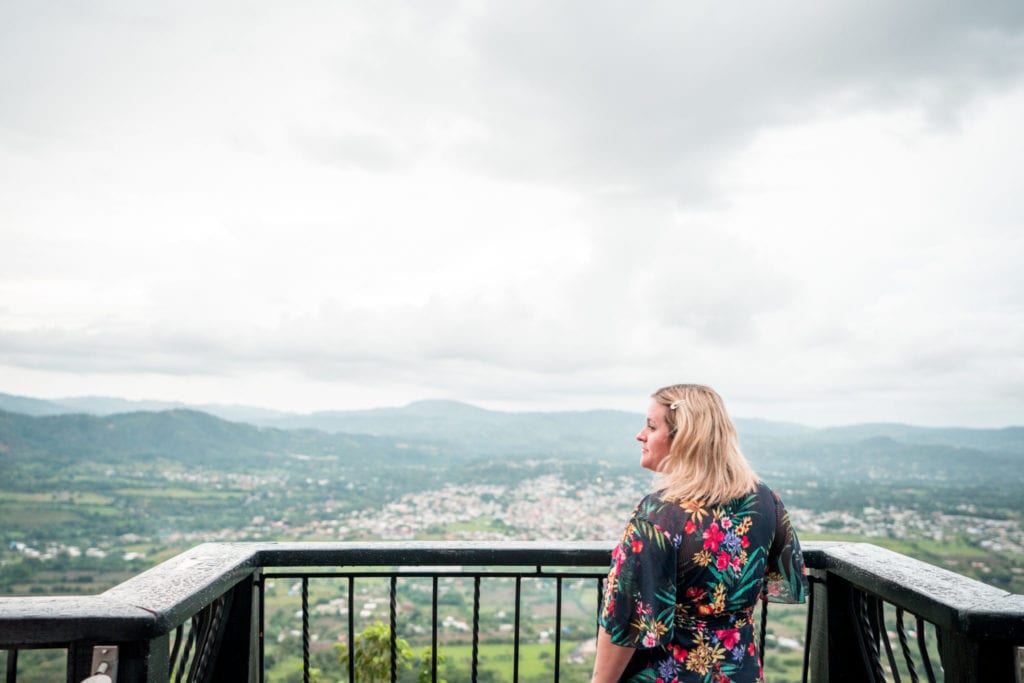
676	404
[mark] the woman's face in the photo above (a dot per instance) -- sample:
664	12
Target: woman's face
654	437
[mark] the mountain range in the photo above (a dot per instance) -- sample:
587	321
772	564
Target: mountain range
115	430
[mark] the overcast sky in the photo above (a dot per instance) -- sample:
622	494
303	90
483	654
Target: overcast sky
817	208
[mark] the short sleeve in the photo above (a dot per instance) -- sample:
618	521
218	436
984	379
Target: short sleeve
786	576
638	605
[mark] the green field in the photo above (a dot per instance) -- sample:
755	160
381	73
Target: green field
158	492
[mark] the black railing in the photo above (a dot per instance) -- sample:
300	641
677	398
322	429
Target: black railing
202	616
862	597
543	572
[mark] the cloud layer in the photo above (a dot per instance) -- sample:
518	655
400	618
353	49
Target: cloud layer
814	209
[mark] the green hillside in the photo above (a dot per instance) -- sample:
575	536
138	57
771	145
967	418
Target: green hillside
186	437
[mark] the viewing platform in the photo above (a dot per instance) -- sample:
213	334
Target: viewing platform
873	615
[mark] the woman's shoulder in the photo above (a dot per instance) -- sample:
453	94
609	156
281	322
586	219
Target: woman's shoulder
657	509
651	502
763	490
761	497
768	498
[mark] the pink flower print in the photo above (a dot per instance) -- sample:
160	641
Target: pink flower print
637	546
619	558
679	654
726	523
690	526
729	637
650	640
722	560
712	537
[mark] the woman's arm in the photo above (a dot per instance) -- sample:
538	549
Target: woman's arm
611	659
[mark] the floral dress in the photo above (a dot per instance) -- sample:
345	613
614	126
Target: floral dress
684	581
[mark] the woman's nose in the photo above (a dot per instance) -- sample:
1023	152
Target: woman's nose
640	435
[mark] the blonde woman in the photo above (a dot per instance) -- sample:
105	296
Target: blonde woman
696	555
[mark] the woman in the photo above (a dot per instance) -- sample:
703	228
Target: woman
696	555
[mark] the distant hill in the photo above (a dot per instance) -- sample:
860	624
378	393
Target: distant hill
469	429
31	406
1010	439
453	422
442	431
106	405
184	436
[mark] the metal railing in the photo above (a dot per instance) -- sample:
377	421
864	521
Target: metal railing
861	598
552	566
201	616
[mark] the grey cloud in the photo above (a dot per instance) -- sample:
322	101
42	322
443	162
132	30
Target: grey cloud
510	331
367	151
651	99
708	283
109	350
643	100
506	333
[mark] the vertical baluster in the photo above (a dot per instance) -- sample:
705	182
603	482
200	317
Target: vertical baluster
869	619
922	647
305	629
558	625
901	631
884	634
261	625
762	627
202	638
212	637
351	629
807	632
515	648
178	633
393	623
183	664
12	666
865	637
433	635
476	625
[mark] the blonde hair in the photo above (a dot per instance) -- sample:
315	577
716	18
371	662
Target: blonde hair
704	461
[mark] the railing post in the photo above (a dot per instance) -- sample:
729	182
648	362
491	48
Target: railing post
835	653
967	660
238	650
144	661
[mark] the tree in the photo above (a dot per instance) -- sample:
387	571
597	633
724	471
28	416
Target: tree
372	659
424	675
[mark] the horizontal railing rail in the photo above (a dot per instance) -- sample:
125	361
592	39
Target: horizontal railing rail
199	615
